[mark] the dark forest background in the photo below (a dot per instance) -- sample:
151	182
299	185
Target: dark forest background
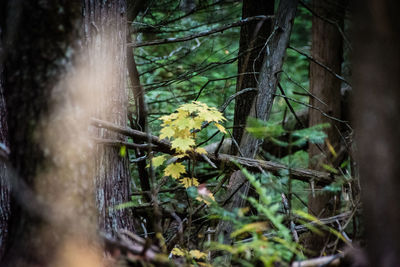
199	133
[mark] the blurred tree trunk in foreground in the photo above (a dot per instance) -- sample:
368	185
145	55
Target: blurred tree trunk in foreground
376	114
105	29
39	43
4	185
326	48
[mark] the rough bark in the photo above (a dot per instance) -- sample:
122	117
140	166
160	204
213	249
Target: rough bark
268	79
376	112
34	66
105	29
326	48
253	36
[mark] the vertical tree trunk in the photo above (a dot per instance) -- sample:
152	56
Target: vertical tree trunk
4	185
261	107
326	48
138	94
105	27
252	40
376	113
35	59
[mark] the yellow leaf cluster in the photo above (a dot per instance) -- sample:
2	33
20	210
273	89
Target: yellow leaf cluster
180	126
194	254
174	170
188	182
157	161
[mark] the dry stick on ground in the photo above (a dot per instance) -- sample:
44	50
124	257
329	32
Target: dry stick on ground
228	160
333	260
201	34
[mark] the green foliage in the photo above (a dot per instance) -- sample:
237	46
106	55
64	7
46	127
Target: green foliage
276	246
273	131
262	129
205	70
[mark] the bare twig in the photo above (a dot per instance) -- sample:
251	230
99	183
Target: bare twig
320	64
222	159
201	34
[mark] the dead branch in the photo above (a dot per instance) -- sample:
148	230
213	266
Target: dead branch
111	142
164	146
333	260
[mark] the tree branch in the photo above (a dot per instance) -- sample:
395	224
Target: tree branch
164	146
201	34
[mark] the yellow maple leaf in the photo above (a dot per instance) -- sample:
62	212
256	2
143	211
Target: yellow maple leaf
216	115
182	114
178	252
197	254
211	114
190	107
185	133
200	150
167	119
167	132
184	123
197	123
201	104
220	128
174	170
182	144
157	161
188	182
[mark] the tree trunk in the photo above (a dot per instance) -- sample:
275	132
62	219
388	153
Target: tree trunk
4	185
45	159
105	28
138	95
268	80
252	39
376	113
326	48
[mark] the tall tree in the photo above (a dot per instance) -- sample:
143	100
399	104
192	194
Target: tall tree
268	79
376	110
4	185
32	87
138	94
253	37
105	28
326	48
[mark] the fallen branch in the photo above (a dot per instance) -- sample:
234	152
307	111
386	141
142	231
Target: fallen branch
164	146
333	260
